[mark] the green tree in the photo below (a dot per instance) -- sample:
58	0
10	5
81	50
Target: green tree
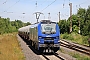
84	17
28	23
7	26
75	23
63	25
2	25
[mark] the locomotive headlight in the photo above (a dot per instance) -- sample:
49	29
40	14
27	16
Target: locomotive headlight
39	41
59	41
39	37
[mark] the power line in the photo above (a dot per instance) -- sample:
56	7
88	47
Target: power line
16	13
4	2
79	5
83	2
36	4
48	5
64	4
12	5
44	2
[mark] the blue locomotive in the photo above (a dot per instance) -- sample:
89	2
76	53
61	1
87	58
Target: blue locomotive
44	36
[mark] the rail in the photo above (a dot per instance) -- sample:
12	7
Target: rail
54	55
77	47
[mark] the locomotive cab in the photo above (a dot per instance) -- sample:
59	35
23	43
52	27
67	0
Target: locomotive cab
48	36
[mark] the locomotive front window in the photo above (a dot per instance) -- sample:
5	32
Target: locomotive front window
48	28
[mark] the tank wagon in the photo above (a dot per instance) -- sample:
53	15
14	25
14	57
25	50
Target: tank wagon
44	36
24	32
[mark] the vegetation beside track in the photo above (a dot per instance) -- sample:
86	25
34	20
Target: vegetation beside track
10	48
7	26
75	37
76	55
80	27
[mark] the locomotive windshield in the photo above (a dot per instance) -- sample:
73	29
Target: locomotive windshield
48	28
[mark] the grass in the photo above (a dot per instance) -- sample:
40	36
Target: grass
10	48
76	55
74	37
79	57
77	38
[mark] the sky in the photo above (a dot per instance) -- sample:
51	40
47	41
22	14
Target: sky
24	9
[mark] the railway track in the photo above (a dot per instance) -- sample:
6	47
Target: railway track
54	56
77	47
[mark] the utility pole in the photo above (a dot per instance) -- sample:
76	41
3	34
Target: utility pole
37	15
70	4
48	15
59	16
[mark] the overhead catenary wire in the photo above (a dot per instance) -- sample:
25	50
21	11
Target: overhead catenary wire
78	5
4	2
48	5
36	3
43	2
42	10
12	5
84	2
64	4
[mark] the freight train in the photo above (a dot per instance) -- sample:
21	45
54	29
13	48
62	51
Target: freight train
43	36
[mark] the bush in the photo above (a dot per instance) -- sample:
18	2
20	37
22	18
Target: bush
65	36
70	37
85	40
